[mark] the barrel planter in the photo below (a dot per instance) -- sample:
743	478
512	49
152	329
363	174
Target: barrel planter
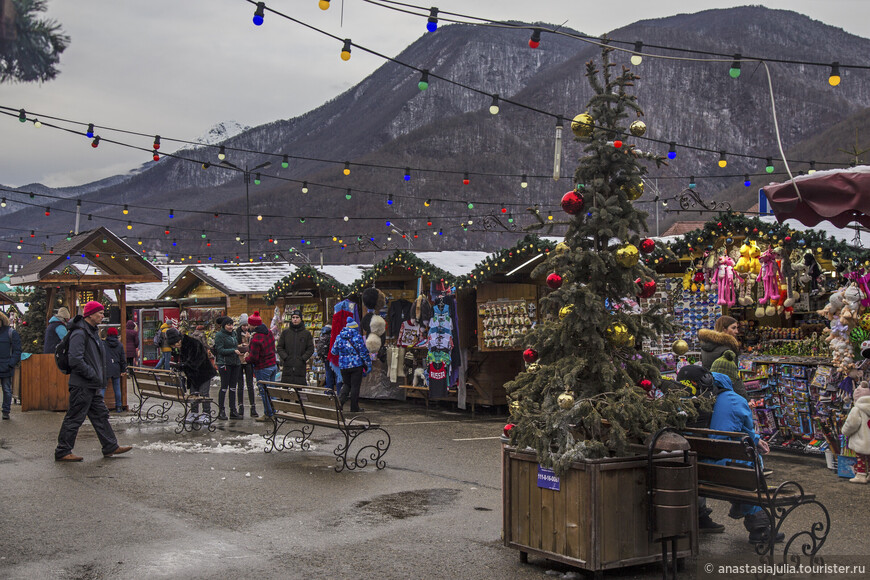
598	519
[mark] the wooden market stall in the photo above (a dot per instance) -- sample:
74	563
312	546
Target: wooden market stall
110	264
205	292
499	299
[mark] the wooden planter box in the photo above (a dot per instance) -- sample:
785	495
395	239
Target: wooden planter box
596	521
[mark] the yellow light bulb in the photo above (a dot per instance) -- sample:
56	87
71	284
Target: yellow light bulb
259	218
323	4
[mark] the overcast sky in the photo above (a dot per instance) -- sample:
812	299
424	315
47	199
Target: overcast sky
179	67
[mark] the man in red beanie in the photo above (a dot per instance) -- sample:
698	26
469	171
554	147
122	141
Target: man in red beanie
87	376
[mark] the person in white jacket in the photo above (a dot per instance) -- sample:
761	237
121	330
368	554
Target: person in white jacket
856	428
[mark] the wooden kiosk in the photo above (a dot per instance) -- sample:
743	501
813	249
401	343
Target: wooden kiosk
111	264
500	300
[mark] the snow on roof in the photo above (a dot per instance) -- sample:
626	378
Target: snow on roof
246	278
149	291
345	275
460	263
845	234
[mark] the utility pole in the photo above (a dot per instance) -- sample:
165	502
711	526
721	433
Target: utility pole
247	174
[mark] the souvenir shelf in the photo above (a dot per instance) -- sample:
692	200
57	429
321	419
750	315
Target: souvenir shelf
692	310
504	323
312	316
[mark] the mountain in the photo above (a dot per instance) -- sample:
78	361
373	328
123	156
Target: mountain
386	120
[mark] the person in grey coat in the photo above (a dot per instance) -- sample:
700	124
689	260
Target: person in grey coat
10	356
87	376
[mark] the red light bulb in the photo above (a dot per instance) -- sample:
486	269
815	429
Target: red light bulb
617	144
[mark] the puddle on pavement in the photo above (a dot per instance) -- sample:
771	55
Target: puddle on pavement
404	504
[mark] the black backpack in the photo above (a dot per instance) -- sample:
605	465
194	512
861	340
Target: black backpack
61	354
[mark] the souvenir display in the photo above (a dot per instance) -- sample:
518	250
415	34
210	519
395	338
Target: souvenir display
505	323
312	316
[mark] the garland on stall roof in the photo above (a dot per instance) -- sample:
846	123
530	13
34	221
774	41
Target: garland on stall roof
405	259
320	279
506	259
734	228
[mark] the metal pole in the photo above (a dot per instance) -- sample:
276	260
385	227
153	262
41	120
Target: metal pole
657	207
78	215
248	211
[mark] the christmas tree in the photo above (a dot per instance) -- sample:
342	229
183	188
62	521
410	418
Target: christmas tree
32	329
590	389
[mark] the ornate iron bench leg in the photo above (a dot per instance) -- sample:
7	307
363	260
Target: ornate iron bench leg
370	452
181	419
272	433
813	538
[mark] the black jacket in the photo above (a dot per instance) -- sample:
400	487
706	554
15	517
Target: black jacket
195	362
116	360
295	347
10	350
87	358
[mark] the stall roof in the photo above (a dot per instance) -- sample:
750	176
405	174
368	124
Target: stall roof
521	257
231	279
150	291
118	263
458	263
846	234
323	278
404	258
344	275
6	299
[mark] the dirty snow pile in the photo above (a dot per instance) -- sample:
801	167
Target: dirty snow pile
240	444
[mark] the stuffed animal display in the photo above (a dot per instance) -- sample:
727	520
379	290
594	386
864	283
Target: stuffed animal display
373	324
725	277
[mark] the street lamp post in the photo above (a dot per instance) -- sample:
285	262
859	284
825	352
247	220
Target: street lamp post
247	174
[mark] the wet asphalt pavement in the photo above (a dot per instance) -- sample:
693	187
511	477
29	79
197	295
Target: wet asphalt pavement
202	505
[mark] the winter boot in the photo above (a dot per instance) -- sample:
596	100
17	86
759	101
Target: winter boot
859	478
241	411
759	528
254	412
233	414
706	525
222	397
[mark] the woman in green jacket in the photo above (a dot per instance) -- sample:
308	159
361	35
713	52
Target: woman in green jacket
226	351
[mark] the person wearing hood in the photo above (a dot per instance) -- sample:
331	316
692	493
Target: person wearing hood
165	349
332	380
354	361
857	429
132	348
295	347
116	364
715	342
55	331
227	354
10	356
87	376
732	413
246	374
262	358
197	368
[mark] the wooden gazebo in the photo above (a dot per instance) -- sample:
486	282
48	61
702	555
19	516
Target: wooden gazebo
83	266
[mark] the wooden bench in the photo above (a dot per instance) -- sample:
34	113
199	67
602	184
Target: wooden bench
746	483
313	407
166	388
422	392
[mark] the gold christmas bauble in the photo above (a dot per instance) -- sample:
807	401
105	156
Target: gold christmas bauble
582	125
627	256
680	347
633	190
565	311
618	334
566	401
638	128
533	368
515	407
562	248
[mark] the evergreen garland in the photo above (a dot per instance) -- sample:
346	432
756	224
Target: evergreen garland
320	280
32	329
505	260
403	259
582	352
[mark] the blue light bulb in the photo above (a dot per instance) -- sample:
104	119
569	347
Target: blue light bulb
672	154
258	20
431	26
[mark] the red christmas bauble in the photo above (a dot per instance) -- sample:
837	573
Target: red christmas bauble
649	288
507	429
554	281
646	385
530	355
647	246
572	203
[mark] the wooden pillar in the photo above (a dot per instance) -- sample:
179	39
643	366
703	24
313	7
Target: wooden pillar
49	307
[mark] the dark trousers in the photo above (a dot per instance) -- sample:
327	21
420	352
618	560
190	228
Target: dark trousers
229	379
246	375
352	379
85	402
201	390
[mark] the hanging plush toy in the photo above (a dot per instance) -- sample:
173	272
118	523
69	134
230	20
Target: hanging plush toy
813	273
725	281
372	323
743	268
770	278
792	274
710	269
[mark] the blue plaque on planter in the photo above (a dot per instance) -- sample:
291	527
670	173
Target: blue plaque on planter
547	479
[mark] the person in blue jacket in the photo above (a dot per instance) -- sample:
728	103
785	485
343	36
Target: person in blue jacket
55	330
732	413
353	360
10	356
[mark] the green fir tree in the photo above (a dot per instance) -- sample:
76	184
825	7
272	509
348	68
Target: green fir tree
33	328
583	396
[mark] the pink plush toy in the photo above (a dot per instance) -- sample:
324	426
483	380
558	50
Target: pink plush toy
769	276
725	276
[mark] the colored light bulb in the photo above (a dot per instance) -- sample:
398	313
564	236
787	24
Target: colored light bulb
672	150
493	108
432	22
258	14
156	141
637	58
734	71
96	142
424	81
304	187
769	166
524	181
90	132
222	153
323	4
347	168
722	161
834	78
535	40
465	180
345	50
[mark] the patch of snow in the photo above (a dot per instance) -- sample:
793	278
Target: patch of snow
221	132
458	263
